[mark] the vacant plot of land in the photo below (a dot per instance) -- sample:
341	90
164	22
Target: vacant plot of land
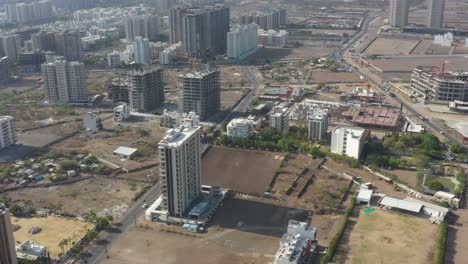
385	237
391	46
408	64
230	97
422	47
408	177
333	77
245	171
104	196
54	229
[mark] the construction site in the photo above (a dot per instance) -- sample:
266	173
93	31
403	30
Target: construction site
373	117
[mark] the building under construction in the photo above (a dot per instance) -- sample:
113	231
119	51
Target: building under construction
373	117
437	85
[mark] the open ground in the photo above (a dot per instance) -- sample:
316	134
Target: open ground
53	230
387	237
244	171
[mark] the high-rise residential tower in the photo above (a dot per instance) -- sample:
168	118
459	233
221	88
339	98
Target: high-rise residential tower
176	24
68	44
435	13
200	92
7	242
242	41
180	169
7	132
146	89
398	13
141	49
11	47
64	82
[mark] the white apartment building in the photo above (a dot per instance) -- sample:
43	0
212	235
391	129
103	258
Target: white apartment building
298	241
398	13
180	170
7	131
170	54
272	38
142	53
241	127
64	81
348	141
92	122
117	58
156	48
279	118
242	41
121	112
317	124
437	86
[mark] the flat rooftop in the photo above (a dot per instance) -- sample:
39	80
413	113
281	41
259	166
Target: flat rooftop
175	137
373	116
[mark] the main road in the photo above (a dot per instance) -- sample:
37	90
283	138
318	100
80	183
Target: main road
99	249
370	28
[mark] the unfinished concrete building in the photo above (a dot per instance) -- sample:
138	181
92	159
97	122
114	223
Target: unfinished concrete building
146	89
117	90
440	86
374	117
200	92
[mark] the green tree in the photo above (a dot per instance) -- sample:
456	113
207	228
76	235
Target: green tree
436	185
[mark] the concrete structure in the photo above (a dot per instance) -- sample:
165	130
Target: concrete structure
125	152
4	69
200	92
205	31
176	22
180	170
7	242
272	38
297	245
458	106
92	122
266	19
279	118
146	89
25	13
117	58
398	13
117	90
141	49
43	41
7	132
348	141
241	127
450	198
444	40
171	54
156	48
364	195
146	26
68	44
317	124
175	119
242	41
64	82
30	251
11	47
121	112
378	117
435	13
437	85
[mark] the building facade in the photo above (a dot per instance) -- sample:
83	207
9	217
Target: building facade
7	132
200	92
146	89
440	86
272	38
92	122
117	90
279	119
242	41
180	169
317	124
146	26
141	49
267	19
7	242
4	69
176	24
348	141
11	46
435	13
43	41
241	127
64	81
398	13
68	44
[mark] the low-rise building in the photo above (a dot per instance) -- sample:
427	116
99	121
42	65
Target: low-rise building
7	131
349	141
125	152
92	122
317	124
170	54
297	245
279	118
121	112
30	251
272	38
173	119
458	106
241	127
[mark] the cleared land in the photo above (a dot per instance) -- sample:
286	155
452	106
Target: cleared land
385	237
391	46
333	77
54	229
245	171
408	64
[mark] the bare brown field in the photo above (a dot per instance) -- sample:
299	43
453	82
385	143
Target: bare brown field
54	229
391	46
387	237
333	77
245	171
408	64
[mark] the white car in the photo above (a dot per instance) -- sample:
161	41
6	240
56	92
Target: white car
145	205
